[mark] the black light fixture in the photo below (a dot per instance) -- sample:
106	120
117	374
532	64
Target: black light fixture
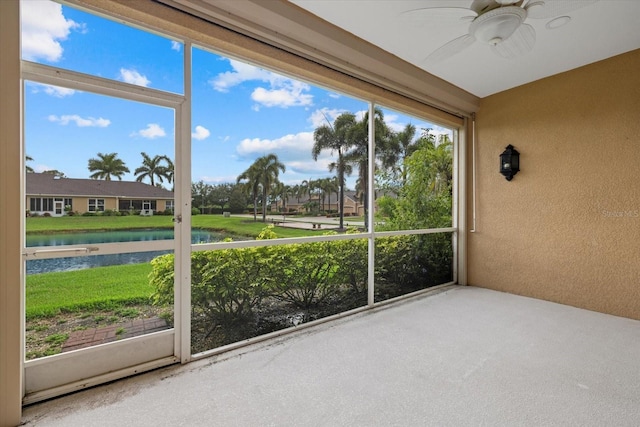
509	162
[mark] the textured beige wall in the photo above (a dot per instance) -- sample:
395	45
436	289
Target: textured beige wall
11	213
567	228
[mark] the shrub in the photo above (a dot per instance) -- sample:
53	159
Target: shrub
46	214
305	274
110	212
409	263
225	284
353	260
195	211
89	214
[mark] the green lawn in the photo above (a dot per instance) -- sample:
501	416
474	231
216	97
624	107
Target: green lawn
233	225
96	288
107	287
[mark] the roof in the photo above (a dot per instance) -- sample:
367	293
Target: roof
44	184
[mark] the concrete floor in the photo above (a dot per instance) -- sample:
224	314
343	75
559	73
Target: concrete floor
464	357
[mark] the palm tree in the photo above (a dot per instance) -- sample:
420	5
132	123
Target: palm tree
305	188
441	165
269	167
152	167
262	174
170	169
26	167
403	146
107	165
282	193
251	186
332	185
359	153
337	139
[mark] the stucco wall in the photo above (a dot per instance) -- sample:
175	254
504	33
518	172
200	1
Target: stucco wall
567	228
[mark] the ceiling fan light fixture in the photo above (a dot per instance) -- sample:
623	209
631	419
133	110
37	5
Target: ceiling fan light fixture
498	24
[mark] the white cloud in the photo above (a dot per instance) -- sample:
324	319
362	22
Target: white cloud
43	28
392	122
176	45
438	130
284	146
290	95
80	121
309	166
241	72
133	77
320	117
218	179
294	150
200	133
281	91
152	131
56	91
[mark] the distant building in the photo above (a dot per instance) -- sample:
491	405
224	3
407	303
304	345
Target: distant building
46	193
352	203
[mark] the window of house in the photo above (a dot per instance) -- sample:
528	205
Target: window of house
169	205
96	205
35	204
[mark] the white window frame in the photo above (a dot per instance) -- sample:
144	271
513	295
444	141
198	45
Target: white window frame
96	203
44	378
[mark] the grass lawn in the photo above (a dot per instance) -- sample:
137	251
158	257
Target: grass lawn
233	225
105	287
48	294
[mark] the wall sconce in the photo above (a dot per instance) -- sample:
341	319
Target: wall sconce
509	162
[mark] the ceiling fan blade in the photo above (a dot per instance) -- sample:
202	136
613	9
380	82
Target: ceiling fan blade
433	15
449	49
519	43
545	9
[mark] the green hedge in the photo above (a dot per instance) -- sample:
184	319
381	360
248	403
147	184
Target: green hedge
229	284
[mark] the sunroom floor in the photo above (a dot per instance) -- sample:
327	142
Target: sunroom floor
461	356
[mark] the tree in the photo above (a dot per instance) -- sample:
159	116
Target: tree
425	200
282	193
403	147
269	168
55	172
251	186
26	167
153	167
260	177
237	200
106	166
336	138
358	155
200	195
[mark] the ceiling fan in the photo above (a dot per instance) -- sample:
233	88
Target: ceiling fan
497	23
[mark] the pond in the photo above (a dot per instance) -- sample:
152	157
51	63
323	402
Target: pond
94	237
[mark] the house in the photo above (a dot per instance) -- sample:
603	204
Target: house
352	206
564	232
49	194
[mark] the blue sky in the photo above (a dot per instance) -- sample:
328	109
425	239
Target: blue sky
239	112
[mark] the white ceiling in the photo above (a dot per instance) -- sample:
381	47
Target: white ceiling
598	31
